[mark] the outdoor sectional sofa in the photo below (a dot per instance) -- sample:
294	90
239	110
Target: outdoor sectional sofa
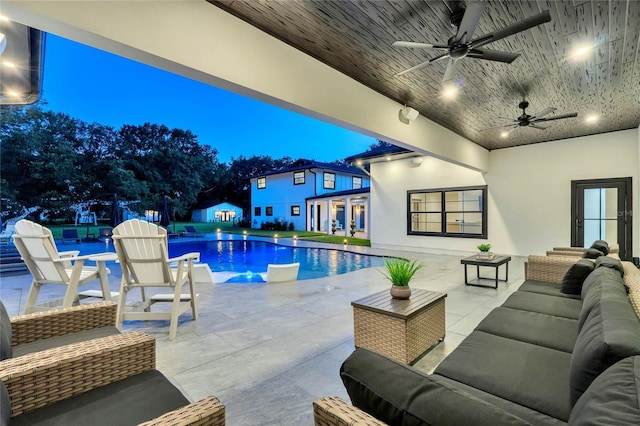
542	358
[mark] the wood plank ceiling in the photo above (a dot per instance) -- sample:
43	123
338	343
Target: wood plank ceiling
355	38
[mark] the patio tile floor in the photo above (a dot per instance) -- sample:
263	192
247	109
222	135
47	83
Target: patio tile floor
268	350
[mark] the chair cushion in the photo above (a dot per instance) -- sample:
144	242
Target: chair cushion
545	287
544	304
531	327
592	253
529	375
398	394
607	283
575	276
610	262
133	400
65	339
601	245
5	405
610	333
612	398
6	350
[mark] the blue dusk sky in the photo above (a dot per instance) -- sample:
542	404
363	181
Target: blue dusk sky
96	86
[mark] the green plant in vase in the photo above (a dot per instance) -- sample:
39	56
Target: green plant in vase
485	252
400	272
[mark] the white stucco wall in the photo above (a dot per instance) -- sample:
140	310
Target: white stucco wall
529	192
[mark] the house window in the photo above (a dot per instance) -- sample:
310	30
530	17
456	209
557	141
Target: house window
356	182
268	211
262	182
257	211
329	180
295	210
298	178
451	212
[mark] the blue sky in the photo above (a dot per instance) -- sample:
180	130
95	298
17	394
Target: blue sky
96	86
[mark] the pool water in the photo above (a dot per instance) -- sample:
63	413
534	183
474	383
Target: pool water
247	258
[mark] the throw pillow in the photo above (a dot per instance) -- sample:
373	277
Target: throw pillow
575	276
5	334
592	253
612	398
601	245
610	262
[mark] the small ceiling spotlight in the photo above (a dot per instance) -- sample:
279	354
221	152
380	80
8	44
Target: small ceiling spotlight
591	118
388	158
408	114
581	51
504	134
450	91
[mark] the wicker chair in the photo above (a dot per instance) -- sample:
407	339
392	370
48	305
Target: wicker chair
100	382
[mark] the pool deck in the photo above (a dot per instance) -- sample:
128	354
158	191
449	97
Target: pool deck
268	350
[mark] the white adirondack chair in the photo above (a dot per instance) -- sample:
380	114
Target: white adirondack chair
48	266
143	254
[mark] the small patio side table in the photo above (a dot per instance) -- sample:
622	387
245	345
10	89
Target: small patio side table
494	262
403	330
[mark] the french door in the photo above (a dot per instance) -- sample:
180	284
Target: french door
601	210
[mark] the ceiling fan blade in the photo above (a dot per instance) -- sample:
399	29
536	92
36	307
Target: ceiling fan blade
537	127
557	117
469	21
440	57
450	73
493	55
414	45
525	24
502	126
543	112
417	67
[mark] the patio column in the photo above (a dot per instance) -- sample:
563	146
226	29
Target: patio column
367	232
314	220
347	215
330	215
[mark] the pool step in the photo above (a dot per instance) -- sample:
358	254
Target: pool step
10	261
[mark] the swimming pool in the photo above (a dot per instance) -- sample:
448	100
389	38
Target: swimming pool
243	259
248	257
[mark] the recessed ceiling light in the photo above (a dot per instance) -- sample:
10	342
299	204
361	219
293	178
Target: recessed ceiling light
8	64
359	162
591	118
388	158
504	134
4	18
450	92
581	51
13	94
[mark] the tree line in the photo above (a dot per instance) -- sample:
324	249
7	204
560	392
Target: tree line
56	162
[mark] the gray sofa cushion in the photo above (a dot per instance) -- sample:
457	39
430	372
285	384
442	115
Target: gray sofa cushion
603	283
400	395
5	334
130	401
533	376
601	245
66	339
544	287
610	262
610	332
612	398
575	276
542	303
532	327
592	253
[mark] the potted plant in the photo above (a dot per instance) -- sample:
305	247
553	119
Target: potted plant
334	224
484	251
352	227
400	272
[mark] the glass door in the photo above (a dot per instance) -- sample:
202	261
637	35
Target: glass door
601	210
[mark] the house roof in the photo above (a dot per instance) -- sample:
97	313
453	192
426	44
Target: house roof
312	164
340	193
209	205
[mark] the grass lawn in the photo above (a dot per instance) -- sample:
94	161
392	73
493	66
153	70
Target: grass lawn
204	227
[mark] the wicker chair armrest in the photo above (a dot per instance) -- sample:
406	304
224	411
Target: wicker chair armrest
548	268
568	253
333	411
43	325
42	378
207	411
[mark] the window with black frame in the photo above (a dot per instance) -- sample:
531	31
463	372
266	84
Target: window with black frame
448	212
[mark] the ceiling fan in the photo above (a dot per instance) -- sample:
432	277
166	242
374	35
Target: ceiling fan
526	120
463	45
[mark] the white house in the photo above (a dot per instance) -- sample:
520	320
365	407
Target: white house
311	195
223	212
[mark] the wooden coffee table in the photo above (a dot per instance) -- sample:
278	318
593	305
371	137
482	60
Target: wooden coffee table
399	329
495	262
